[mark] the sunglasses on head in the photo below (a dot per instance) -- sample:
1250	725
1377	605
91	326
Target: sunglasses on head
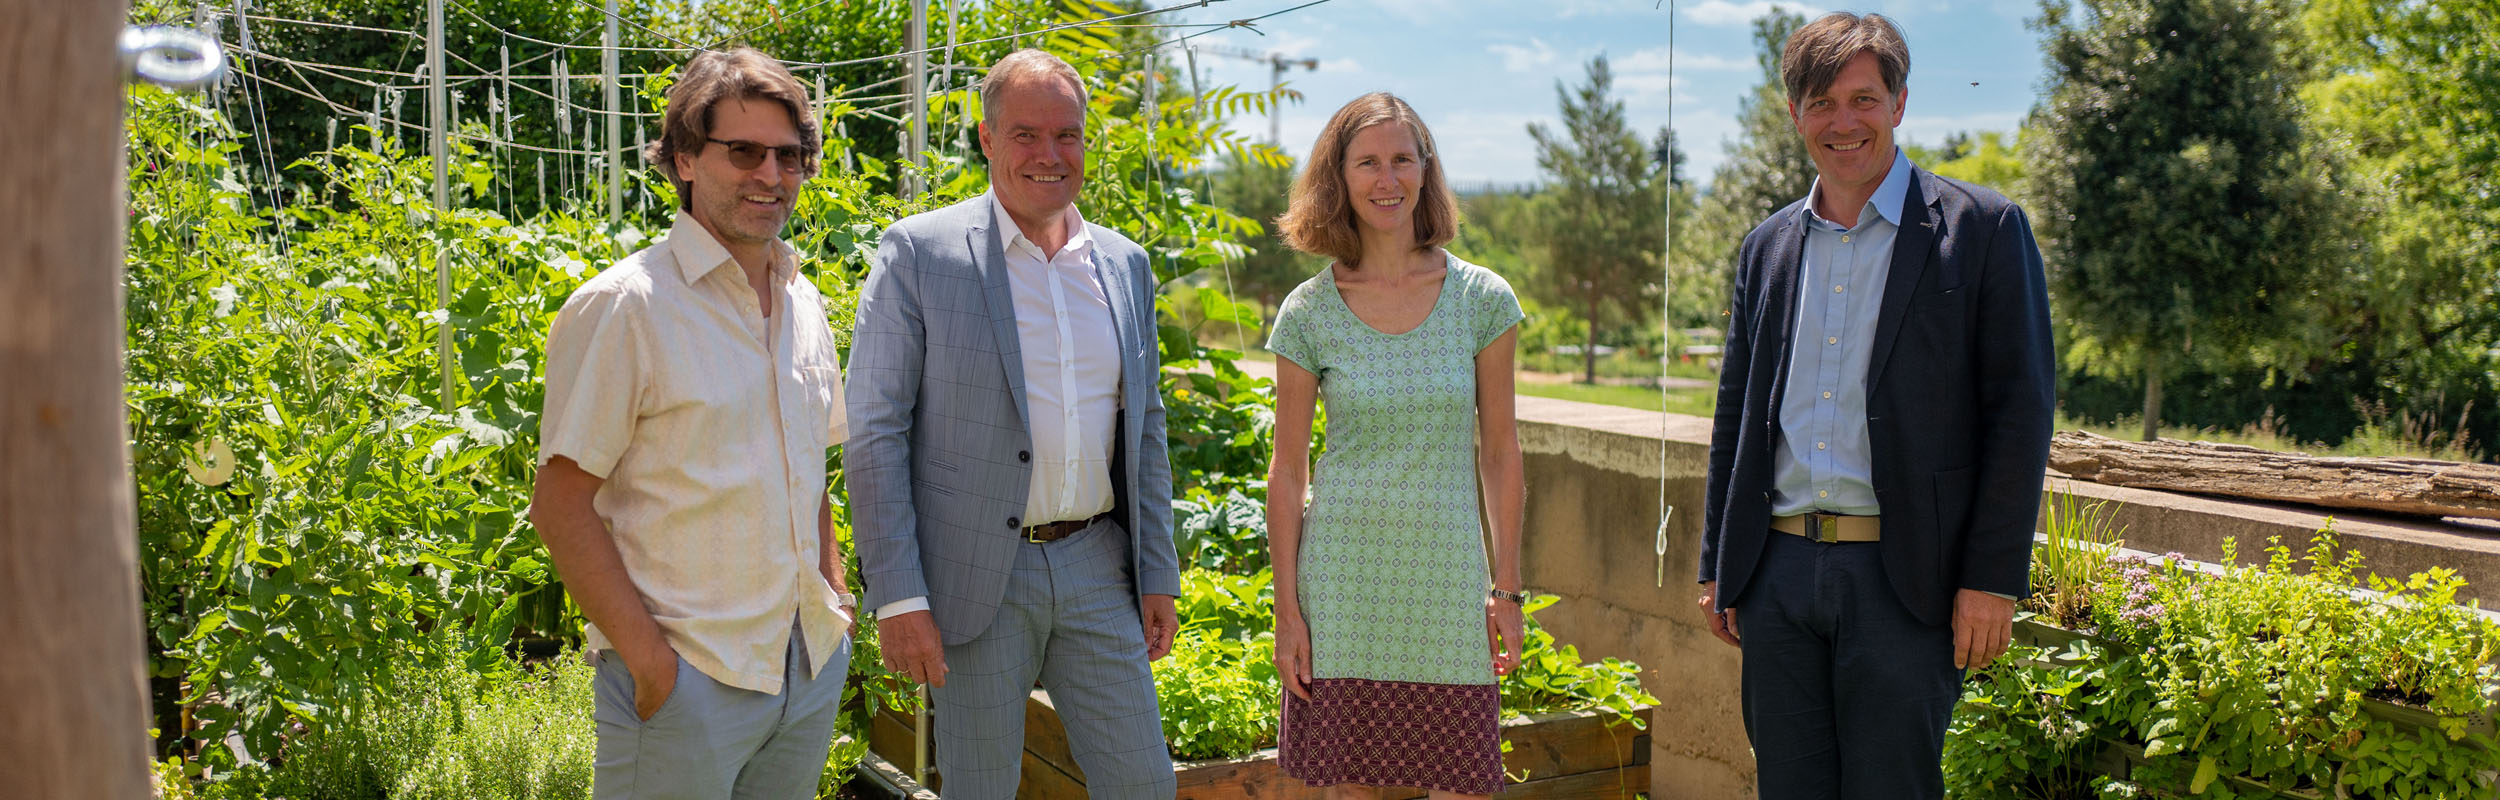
744	154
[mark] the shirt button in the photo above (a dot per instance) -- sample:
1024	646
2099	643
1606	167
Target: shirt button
1835	288
1012	522
1831	340
1024	455
1818	445
1844	238
1827	395
1822	494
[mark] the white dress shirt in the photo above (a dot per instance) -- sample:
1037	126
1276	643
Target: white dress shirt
1071	351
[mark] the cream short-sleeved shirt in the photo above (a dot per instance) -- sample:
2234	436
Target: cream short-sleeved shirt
709	423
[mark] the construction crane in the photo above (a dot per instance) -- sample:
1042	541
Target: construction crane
1277	63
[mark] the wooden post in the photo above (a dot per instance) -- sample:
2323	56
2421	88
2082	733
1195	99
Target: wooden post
72	663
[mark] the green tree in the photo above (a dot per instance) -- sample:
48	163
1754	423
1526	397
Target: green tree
1766	169
1603	239
2170	174
2410	98
1259	191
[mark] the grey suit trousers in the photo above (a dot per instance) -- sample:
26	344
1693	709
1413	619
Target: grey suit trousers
1070	620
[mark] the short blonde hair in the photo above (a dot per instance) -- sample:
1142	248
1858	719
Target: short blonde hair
1024	65
1320	220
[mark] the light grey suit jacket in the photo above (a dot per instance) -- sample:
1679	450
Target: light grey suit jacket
940	453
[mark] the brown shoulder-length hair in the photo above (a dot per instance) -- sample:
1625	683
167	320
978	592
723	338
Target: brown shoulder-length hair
1815	54
740	73
1320	220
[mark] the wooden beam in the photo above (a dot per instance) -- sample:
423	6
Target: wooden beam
2393	485
73	665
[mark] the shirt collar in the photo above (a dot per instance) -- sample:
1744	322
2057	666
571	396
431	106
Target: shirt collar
1080	236
1888	196
698	253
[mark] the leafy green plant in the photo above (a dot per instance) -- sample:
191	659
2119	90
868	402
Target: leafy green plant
1551	676
2243	681
2073	556
1219	693
1227	533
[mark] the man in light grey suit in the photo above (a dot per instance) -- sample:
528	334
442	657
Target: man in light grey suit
1010	489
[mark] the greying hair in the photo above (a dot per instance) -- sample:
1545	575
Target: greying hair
1023	65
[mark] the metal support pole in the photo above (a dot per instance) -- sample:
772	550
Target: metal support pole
616	120
437	111
918	87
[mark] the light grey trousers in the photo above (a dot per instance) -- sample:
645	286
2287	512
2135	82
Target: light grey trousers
1069	620
715	742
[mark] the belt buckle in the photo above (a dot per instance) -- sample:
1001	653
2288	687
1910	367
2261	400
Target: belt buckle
1028	534
1826	527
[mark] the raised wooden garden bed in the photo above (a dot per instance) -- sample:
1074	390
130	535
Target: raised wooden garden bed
1572	754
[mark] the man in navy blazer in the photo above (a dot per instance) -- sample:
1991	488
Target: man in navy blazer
1882	430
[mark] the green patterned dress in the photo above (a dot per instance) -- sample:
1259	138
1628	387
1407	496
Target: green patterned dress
1392	562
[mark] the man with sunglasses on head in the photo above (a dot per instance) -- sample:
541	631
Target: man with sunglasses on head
1009	485
692	390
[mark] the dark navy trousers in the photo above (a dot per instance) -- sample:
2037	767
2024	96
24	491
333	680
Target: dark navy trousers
1846	695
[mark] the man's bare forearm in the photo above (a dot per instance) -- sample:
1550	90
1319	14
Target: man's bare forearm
585	556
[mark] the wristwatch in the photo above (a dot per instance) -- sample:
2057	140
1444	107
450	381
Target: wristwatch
1516	598
842	599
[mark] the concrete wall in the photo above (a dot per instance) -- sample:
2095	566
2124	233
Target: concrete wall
1593	493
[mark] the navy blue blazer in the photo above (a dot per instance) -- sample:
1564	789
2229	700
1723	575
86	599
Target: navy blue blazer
1959	403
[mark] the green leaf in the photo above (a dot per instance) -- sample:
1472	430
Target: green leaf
2205	770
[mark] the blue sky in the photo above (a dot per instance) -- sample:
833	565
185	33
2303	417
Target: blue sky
1481	70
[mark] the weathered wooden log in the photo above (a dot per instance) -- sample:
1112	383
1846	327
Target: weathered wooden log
2393	485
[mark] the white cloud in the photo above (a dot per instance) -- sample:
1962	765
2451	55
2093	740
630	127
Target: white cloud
1724	12
1536	56
1654	59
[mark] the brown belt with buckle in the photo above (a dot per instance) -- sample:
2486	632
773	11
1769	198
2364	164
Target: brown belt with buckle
1048	532
1829	528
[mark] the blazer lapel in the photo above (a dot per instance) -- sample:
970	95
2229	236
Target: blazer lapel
1777	318
990	260
1912	245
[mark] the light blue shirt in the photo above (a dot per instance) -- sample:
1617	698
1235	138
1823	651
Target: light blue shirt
1824	462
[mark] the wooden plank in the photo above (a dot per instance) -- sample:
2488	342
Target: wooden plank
1572	742
74	672
890	737
2398	485
1044	781
1250	777
1045	738
1601	785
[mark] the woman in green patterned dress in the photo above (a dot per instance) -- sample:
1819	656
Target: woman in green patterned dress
1387	637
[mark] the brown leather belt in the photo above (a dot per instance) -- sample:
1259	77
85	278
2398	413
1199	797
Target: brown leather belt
1048	532
1829	528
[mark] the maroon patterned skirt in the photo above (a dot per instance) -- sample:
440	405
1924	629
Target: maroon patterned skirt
1394	733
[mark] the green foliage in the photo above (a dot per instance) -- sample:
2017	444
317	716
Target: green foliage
1987	161
2247	681
1551	677
1220	693
2174	189
1602	239
365	525
2073	560
452	734
1226	534
1766	169
1259	191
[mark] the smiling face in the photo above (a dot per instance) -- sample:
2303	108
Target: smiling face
1848	127
1034	137
1384	177
742	207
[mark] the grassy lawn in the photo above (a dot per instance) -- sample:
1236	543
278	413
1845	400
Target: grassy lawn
1697	402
